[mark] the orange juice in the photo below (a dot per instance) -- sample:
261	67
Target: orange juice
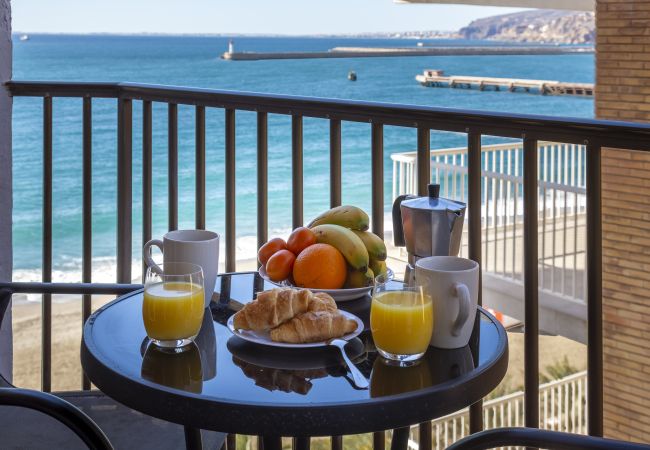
401	322
172	310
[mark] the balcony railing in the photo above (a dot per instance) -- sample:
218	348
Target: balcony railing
563	406
530	129
561	202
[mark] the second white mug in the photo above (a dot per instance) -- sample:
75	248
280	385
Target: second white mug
452	283
200	247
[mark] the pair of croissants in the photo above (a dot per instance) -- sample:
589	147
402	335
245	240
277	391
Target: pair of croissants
294	316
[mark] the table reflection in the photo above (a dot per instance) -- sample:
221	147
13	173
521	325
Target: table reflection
294	371
186	368
435	367
178	368
296	381
291	370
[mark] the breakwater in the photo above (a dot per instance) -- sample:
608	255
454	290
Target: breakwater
435	78
369	52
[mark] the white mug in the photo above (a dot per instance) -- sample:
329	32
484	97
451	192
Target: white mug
452	283
200	247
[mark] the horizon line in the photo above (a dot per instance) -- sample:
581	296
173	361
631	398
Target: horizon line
154	33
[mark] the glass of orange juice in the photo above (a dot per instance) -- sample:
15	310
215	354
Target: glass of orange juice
173	306
401	320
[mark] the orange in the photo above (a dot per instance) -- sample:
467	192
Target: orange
279	265
300	239
267	250
320	266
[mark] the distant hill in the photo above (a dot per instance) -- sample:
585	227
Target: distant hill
540	26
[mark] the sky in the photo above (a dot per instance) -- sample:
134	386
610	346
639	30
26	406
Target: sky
239	16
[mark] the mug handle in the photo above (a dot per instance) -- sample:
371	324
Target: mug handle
146	254
464	304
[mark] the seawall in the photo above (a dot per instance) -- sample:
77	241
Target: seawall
369	52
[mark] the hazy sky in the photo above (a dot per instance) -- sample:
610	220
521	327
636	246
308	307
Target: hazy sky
239	16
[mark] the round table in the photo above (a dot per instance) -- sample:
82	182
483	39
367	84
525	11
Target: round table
229	385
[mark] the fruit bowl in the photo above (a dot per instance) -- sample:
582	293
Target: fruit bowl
339	295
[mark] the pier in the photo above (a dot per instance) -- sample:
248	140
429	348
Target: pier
436	78
369	52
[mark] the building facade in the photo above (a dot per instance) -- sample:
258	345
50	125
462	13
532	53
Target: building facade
623	93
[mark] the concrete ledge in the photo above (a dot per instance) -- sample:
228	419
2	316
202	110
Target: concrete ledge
557	315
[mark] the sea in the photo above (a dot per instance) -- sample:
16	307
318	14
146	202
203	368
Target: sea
194	61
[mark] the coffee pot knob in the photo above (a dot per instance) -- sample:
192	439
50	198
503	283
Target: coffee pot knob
433	190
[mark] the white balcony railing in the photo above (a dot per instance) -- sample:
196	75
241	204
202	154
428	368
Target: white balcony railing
562	205
562	408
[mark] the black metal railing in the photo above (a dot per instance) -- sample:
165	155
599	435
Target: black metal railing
594	134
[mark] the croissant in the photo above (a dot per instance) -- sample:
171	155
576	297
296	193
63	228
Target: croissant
279	305
313	326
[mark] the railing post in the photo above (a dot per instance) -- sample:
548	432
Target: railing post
379	440
124	188
172	165
87	252
46	307
531	288
199	196
377	144
6	185
296	171
474	213
335	163
147	176
424	160
230	191
594	291
262	178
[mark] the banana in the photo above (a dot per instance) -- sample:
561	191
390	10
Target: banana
378	267
345	241
358	279
374	244
347	216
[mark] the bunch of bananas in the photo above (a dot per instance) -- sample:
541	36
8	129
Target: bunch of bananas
345	228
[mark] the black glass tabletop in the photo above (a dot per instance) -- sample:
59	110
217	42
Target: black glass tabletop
224	383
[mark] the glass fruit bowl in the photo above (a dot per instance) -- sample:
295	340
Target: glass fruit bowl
339	295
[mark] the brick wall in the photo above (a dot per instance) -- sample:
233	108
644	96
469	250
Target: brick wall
623	92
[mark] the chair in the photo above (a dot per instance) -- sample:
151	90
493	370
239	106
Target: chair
45	421
532	437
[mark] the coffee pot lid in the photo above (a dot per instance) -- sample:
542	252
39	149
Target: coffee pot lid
433	202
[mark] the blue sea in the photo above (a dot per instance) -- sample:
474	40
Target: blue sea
194	61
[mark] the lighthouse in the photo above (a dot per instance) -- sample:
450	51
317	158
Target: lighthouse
231	46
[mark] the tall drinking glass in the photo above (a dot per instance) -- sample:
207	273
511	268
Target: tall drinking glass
401	320
173	304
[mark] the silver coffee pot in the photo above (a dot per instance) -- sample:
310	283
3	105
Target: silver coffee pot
427	226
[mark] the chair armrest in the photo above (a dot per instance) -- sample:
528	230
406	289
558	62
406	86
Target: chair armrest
532	437
64	412
5	299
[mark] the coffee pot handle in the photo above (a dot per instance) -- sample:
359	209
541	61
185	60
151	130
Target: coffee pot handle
464	304
398	228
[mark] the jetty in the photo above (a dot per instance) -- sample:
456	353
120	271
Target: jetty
369	52
436	78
